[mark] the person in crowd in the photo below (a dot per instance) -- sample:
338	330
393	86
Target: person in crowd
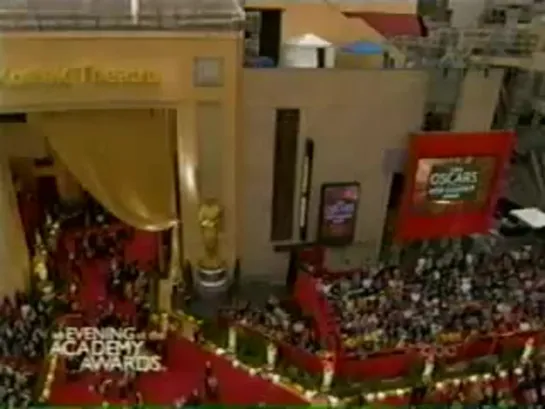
211	385
139	399
73	365
443	298
109	317
180	403
194	399
418	395
126	386
104	387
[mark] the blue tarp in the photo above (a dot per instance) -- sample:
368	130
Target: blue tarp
260	62
363	48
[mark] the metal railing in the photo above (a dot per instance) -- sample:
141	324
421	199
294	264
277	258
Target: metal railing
119	23
59	15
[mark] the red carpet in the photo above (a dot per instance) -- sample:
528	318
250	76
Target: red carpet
236	385
144	248
185	366
93	285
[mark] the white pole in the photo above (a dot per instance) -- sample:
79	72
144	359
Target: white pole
135	11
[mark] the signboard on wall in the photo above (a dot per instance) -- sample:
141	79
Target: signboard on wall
452	183
338	211
24	77
443	184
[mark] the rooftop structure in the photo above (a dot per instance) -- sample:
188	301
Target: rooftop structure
120	14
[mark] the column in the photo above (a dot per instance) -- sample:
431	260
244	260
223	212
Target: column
189	179
14	254
182	125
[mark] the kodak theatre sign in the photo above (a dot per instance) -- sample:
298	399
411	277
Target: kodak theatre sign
76	76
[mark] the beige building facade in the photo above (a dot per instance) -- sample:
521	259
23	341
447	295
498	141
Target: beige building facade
224	127
354	117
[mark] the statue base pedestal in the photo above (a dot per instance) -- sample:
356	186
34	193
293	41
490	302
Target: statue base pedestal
211	281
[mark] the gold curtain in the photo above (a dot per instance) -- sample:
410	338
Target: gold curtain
174	273
14	254
124	158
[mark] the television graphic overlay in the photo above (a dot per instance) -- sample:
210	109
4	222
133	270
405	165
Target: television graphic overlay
452	184
106	349
338	211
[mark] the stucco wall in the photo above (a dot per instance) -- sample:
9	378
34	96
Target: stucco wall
353	116
326	22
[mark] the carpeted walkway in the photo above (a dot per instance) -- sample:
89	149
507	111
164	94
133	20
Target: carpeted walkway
185	366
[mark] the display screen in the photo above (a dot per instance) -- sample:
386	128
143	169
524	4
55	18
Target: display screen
444	184
338	209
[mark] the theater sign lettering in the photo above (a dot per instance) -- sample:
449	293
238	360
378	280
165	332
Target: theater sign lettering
106	349
449	182
76	75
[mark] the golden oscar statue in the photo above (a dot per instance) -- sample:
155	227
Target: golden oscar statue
39	266
211	267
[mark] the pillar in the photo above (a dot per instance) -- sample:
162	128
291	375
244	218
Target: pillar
189	179
14	254
182	127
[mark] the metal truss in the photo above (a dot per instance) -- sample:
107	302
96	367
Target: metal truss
450	47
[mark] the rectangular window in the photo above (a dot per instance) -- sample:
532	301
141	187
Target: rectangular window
284	173
208	72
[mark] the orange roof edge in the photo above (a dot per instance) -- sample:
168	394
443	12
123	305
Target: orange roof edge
390	24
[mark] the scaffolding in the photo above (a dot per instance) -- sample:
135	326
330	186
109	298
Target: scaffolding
462	48
122	15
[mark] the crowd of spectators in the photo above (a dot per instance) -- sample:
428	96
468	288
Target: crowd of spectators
129	283
90	214
277	321
442	298
24	327
17	387
24	324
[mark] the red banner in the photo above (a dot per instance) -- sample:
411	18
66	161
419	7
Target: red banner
452	183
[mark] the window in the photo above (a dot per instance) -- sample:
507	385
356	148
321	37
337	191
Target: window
208	72
284	173
13	118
